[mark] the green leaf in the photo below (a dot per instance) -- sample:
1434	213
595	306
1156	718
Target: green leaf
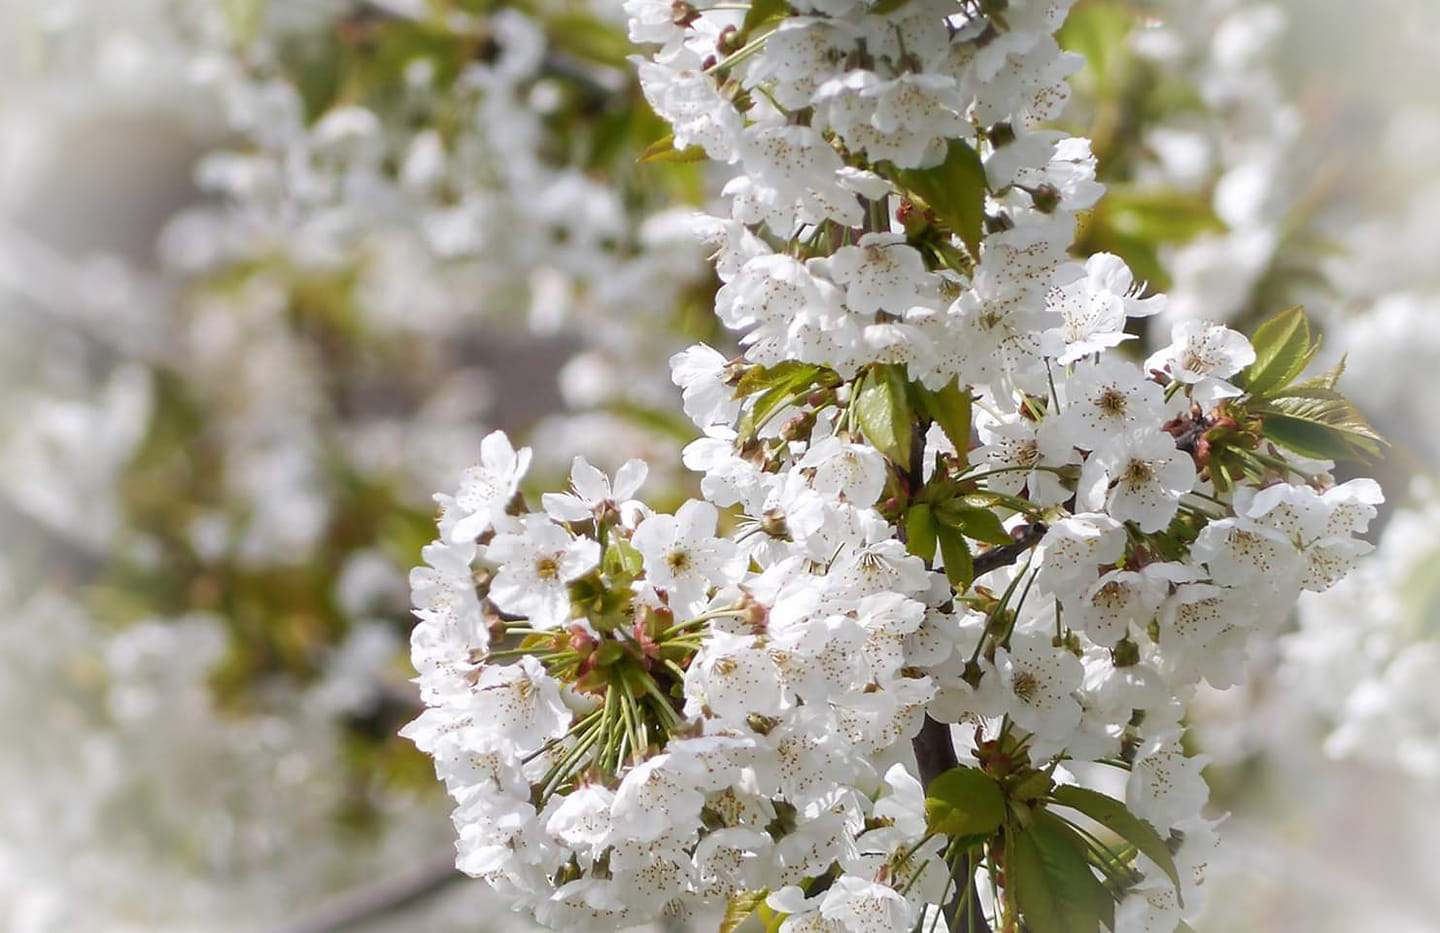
981	524
790	381
1320	423
886	7
1326	380
987	498
954	191
740	909
949	408
964	802
663	150
622	560
1307	439
1114	816
883	413
1282	351
1033	785
920	532
959	565
760	12
1054	886
786	372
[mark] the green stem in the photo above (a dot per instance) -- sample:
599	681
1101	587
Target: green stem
744	52
566	766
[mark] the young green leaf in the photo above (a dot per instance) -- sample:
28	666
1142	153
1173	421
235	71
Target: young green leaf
1326	380
1283	349
786	383
1113	815
980	524
959	563
761	11
787	372
949	408
1319	423
920	531
1054	887
740	908
883	412
964	802
954	190
622	560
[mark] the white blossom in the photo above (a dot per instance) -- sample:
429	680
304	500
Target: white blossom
1137	477
536	567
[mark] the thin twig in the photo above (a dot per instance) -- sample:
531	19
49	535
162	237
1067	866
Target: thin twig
374	901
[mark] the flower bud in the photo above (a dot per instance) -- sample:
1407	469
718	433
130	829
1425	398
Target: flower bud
1125	654
728	41
1046	198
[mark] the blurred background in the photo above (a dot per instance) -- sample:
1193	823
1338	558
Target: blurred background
270	270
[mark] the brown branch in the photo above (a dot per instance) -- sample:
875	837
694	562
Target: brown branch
374	901
1026	537
935	754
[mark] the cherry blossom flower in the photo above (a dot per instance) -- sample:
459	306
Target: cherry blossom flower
1138	477
536	568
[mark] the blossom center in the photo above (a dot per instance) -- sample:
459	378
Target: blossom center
1110	596
1137	473
1195	361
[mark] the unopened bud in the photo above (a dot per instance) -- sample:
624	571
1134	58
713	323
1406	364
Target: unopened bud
683	14
820	398
728	41
1046	198
581	642
662	617
799	427
998	223
761	724
1125	654
772	522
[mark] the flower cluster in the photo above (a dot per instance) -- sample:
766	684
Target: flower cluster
952	507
